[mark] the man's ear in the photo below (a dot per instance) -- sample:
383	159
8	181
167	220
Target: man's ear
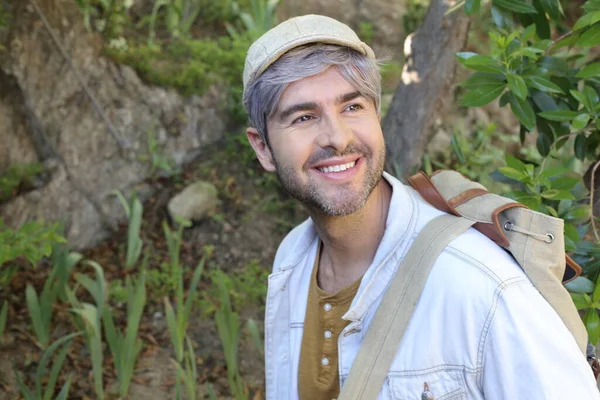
262	150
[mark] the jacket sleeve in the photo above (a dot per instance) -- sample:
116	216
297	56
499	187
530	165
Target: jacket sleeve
528	353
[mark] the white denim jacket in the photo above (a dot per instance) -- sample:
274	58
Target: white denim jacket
480	329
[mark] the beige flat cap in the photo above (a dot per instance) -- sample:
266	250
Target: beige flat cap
296	32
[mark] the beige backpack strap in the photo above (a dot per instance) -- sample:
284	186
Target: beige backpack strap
381	343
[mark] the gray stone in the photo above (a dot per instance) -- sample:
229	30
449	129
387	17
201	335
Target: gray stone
195	202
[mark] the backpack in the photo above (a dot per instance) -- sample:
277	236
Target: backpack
534	239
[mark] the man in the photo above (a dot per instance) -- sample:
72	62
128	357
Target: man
480	329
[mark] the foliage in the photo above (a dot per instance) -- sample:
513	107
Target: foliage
133	210
108	16
475	155
33	241
259	20
245	286
179	16
551	86
125	348
228	327
18	175
47	394
414	15
3	317
91	315
192	66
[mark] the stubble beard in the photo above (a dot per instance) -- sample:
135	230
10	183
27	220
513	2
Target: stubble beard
346	200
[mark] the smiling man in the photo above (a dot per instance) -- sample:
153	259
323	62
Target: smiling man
480	329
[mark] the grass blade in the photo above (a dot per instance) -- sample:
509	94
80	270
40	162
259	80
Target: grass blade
56	367
35	314
64	392
41	369
3	316
193	287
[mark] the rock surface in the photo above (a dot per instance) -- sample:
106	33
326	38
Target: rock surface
46	116
385	16
195	202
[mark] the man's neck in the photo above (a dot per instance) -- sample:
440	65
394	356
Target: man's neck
350	242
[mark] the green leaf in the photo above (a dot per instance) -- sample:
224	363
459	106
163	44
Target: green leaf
592	5
479	63
581	301
516	164
592	324
479	80
587	20
543	144
3	315
564	183
512	173
580	121
543	84
472	6
559	115
523	111
554	66
551	7
518	6
589	71
590	38
581	98
481	97
517	85
554	194
579	146
580	285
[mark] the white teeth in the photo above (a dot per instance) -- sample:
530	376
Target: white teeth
337	168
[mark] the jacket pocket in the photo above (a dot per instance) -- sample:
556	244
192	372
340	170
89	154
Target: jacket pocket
443	383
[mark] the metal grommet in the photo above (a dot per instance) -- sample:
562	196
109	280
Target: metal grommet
550	238
508	225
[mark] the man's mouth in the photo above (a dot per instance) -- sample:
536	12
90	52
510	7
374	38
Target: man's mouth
337	168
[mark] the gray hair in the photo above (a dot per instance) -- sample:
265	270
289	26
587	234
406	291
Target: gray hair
262	97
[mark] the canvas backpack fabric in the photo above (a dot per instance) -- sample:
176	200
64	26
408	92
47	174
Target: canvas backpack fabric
534	239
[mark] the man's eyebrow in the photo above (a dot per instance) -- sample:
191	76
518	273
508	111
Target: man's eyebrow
295	108
348	96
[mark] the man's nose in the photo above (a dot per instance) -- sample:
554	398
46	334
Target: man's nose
335	133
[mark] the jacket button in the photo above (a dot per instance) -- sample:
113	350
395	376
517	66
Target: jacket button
328	334
327	307
325	361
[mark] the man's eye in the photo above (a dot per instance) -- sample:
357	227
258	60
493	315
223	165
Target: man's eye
303	118
354	107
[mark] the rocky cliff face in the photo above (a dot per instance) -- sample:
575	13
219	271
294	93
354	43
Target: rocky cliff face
47	116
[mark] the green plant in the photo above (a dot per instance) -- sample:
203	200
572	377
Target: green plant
180	15
552	87
18	175
228	327
134	211
33	241
159	162
414	15
38	393
91	315
110	15
3	317
476	155
259	20
40	308
366	31
178	319
125	348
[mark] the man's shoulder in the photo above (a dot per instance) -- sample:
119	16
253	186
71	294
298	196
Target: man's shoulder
295	243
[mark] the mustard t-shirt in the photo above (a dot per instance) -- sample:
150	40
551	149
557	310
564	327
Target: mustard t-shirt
318	373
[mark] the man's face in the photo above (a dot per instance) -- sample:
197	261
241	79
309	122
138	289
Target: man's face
326	144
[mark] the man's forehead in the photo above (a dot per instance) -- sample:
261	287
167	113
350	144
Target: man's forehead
326	87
